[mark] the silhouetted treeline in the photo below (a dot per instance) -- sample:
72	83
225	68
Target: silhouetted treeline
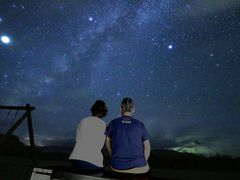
12	145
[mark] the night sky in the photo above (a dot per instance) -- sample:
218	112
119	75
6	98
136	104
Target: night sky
178	59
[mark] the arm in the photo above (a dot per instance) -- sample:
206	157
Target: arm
147	149
109	145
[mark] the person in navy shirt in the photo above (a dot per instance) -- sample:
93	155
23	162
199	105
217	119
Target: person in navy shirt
127	141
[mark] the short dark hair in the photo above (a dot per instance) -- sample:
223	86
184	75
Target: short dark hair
99	108
127	105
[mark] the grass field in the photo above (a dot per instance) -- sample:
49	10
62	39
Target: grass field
15	168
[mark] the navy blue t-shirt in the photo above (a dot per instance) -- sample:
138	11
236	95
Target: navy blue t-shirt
127	136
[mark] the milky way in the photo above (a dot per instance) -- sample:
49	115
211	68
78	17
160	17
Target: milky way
179	60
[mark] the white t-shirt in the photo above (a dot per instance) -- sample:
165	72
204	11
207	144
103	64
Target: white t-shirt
90	139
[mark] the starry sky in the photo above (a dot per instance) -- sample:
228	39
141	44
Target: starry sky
178	59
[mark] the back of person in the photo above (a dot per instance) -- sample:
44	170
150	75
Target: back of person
90	138
127	136
89	141
128	142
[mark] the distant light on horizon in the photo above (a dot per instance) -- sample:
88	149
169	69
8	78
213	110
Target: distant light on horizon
199	150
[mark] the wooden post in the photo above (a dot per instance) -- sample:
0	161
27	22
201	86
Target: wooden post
30	132
30	127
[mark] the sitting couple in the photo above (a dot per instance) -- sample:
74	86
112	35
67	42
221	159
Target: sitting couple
126	138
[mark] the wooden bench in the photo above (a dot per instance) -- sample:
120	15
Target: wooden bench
67	173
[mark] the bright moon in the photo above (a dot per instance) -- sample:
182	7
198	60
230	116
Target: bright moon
5	39
170	47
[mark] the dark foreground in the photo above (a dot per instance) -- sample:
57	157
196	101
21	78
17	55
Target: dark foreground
16	168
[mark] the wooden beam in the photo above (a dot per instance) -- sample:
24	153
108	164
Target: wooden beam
17	123
27	107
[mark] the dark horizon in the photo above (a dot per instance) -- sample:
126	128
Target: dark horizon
66	147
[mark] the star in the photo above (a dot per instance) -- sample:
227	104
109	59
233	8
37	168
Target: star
170	46
5	39
90	19
22	6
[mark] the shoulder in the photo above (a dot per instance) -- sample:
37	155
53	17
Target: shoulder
115	120
85	120
97	121
102	122
137	121
92	120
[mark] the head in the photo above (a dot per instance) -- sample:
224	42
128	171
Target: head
127	106
99	109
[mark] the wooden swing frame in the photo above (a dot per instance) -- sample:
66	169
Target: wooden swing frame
27	115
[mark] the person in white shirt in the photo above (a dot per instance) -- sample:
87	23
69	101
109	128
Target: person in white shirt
90	138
